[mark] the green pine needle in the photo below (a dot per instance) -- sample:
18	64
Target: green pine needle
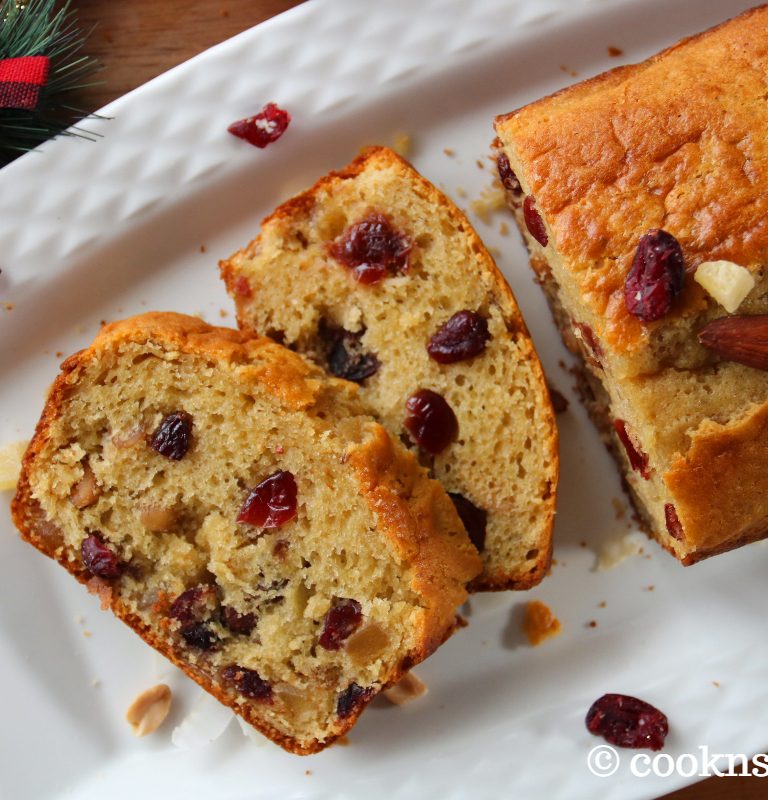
32	28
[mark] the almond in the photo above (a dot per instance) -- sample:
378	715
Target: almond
743	339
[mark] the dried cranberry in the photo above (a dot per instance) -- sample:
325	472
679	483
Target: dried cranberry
508	178
372	248
625	721
430	421
474	519
463	336
173	436
595	351
673	523
99	560
272	503
345	355
193	604
193	609
264	128
344	618
237	622
351	699
637	458
656	276
534	222
249	683
200	635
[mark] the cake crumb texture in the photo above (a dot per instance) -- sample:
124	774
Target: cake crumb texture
504	458
153	524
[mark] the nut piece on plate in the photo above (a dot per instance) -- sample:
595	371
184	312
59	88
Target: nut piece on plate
149	710
726	282
539	623
406	690
638	249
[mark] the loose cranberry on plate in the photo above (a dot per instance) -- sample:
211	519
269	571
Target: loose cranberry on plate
625	721
263	128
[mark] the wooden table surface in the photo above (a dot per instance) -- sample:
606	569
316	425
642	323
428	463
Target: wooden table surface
138	39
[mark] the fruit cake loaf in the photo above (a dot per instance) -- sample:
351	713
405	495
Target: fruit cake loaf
379	278
232	504
643	197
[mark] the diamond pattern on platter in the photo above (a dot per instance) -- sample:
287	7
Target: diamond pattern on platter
144	156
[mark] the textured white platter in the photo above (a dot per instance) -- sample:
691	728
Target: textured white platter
99	231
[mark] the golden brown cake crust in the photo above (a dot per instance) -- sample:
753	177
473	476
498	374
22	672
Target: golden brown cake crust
602	166
675	142
501	576
728	463
441	566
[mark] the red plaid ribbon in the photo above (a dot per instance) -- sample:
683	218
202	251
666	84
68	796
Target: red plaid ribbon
21	80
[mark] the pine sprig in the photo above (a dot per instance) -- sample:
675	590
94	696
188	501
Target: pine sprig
31	28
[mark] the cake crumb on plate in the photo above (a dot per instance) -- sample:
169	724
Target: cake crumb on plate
539	623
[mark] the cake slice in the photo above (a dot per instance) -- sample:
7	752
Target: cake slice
380	279
642	195
233	505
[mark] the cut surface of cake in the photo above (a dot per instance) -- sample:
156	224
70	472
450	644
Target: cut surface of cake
642	195
235	507
379	278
